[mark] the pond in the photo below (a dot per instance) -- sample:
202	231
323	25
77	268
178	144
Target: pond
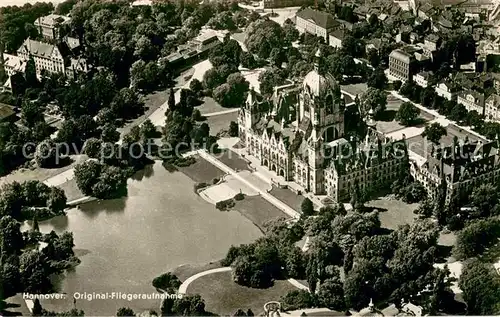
124	243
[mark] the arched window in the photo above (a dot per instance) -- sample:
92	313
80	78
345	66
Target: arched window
329	105
307	102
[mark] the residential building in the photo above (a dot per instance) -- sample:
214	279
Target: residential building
422	78
447	90
315	22
52	58
492	107
375	44
431	44
336	37
13	64
303	141
472	100
458	168
49	26
401	64
47	57
268	4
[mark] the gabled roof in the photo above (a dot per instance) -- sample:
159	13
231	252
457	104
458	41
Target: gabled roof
322	19
42	49
339	34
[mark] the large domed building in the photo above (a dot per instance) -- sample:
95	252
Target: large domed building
299	134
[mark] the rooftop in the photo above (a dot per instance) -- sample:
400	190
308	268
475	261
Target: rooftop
320	18
52	20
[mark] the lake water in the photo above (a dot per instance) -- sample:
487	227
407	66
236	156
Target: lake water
123	244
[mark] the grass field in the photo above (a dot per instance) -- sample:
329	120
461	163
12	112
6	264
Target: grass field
209	105
288	197
183	272
224	297
201	171
221	122
71	190
393	212
258	210
233	160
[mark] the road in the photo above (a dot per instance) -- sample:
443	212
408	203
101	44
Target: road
183	288
270	198
191	279
439	117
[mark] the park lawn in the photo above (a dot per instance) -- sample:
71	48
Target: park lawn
71	190
201	171
288	197
40	174
224	297
393	212
233	160
209	105
185	271
258	210
221	122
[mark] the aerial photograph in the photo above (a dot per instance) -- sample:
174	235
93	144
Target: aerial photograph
249	158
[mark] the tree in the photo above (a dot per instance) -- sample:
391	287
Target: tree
86	175
47	154
407	113
269	79
375	99
109	134
171	100
481	288
373	57
397	84
458	113
352	46
37	308
12	239
30	73
484	198
31	113
377	79
434	132
476	237
196	86
407	89
92	148
307	207
291	33
56	201
126	103
34	273
331	294
233	129
262	36
167	282
247	60
298	299
125	311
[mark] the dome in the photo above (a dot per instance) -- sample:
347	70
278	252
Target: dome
319	84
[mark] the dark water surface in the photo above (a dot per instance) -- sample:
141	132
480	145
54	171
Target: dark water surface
124	243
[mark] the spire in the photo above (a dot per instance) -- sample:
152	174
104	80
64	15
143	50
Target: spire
317	59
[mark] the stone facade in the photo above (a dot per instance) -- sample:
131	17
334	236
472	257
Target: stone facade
459	167
299	134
